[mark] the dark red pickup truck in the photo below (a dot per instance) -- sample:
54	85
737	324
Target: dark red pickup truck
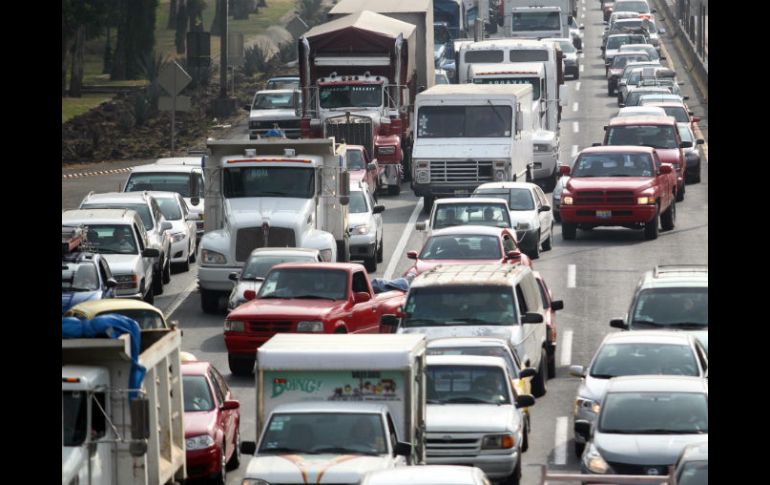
618	186
306	298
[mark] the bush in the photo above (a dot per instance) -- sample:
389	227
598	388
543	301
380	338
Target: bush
255	60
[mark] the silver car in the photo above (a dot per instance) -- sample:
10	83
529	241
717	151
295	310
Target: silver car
692	467
365	227
571	59
632	353
691	153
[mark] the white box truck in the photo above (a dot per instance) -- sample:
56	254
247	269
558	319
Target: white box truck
332	407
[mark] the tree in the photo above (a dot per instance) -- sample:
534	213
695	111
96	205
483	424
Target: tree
81	19
181	28
195	14
136	37
172	12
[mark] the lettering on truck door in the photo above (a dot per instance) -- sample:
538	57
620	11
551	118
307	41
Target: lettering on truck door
365	315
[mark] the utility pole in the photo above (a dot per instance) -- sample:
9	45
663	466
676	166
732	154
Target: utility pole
223	105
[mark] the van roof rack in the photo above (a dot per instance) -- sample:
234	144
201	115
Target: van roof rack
663	269
71	238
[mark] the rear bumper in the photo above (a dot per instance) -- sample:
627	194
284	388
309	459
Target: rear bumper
494	466
618	214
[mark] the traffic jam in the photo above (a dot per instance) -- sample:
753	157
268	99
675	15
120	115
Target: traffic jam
466	243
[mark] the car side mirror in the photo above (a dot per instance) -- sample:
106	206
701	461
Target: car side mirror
700	141
527	372
165	226
653	10
111	283
666	168
390	322
403	449
596	144
151	253
377	209
662	58
618	323
532	317
524	401
513	254
544	208
361	297
557	305
582	27
420	226
695	119
249	295
248	447
577	371
564	169
621	105
231	405
411	254
233	276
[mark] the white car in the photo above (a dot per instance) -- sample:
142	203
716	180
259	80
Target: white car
259	263
183	229
570	56
427	475
531	214
365	227
640	111
271	109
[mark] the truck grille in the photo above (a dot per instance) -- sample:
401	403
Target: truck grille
357	132
250	238
438	444
268	328
604	197
461	171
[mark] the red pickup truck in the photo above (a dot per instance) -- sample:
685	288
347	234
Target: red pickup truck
306	298
618	186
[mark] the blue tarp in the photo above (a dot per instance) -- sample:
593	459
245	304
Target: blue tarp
112	326
380	285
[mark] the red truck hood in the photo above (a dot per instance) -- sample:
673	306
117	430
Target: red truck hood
609	183
673	155
199	423
291	309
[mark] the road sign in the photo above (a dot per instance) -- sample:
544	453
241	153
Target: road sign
173	78
166	103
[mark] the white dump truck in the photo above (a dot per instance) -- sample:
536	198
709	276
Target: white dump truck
470	134
270	193
332	407
114	433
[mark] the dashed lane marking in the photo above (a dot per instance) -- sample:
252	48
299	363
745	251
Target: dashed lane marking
574	151
560	442
577	86
574	106
396	256
566	348
571	276
575	127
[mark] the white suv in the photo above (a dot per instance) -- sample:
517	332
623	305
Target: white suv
365	226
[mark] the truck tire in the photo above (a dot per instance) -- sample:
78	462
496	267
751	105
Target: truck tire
240	366
651	227
343	251
551	353
371	263
157	282
380	251
538	382
568	231
668	218
209	301
427	203
534	251
579	447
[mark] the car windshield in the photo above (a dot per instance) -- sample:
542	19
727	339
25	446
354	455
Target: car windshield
357	203
460	305
282	84
654	413
631	359
671	307
79	276
197	394
566	46
615	41
305	283
458	214
350	96
274	101
620	60
169	208
527	21
462	246
147	319
355	160
465	384
661	96
269	182
142	209
518	199
655	136
532	81
316	433
484	350
694	473
110	239
259	264
635	98
613	165
161	182
464	122
678	112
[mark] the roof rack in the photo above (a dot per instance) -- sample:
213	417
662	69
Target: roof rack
678	268
71	238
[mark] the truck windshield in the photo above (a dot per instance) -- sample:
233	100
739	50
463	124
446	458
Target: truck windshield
305	283
79	276
460	305
464	121
163	182
351	96
655	136
533	81
672	307
110	239
613	165
258	265
269	182
332	432
482	213
526	21
74	416
460	384
463	246
654	413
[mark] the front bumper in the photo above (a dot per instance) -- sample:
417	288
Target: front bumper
203	463
618	214
527	238
362	245
180	251
216	278
495	466
245	344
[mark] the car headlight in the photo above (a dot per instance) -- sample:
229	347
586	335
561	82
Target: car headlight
310	326
594	461
390	150
177	237
499	175
212	257
498	442
326	255
199	442
423	176
362	229
126	281
645	200
234	326
567	200
523	226
588	404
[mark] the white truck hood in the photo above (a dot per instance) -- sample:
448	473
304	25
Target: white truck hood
123	263
301	468
272	115
277	211
470	418
462	148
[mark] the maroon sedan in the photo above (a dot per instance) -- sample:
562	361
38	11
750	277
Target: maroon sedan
549	318
464	244
212	419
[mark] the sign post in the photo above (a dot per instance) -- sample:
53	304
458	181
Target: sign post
173	79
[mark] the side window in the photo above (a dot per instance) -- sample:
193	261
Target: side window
104	270
523	308
509	244
220	381
538	200
156	214
657	161
392	432
359	282
98	420
199	178
704	362
139	237
183	205
541	195
217	389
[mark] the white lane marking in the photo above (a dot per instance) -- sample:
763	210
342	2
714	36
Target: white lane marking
574	151
575	127
396	256
583	15
566	348
581	68
181	297
577	86
571	276
560	442
574	106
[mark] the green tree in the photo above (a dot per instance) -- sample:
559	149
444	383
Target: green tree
81	20
136	37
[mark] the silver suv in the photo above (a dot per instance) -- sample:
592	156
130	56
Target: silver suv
158	234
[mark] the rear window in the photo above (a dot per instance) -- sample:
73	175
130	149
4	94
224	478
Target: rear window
655	136
484	56
528	55
161	182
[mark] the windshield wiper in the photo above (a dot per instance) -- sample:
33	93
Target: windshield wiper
338	449
468	399
469	320
648	322
603	376
73	288
689	325
668	431
282	449
419	321
619	431
313	297
434	401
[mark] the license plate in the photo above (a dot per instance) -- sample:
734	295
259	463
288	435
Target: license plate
603	214
461	193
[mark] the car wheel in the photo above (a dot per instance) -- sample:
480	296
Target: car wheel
240	366
538	382
557	216
235	460
551	353
149	297
696	178
610	91
579	447
221	477
680	194
534	252
394	189
668	218
380	252
193	255
515	477
185	267
343	251
157	283
209	301
547	243
525	441
568	231
167	272
371	263
651	228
